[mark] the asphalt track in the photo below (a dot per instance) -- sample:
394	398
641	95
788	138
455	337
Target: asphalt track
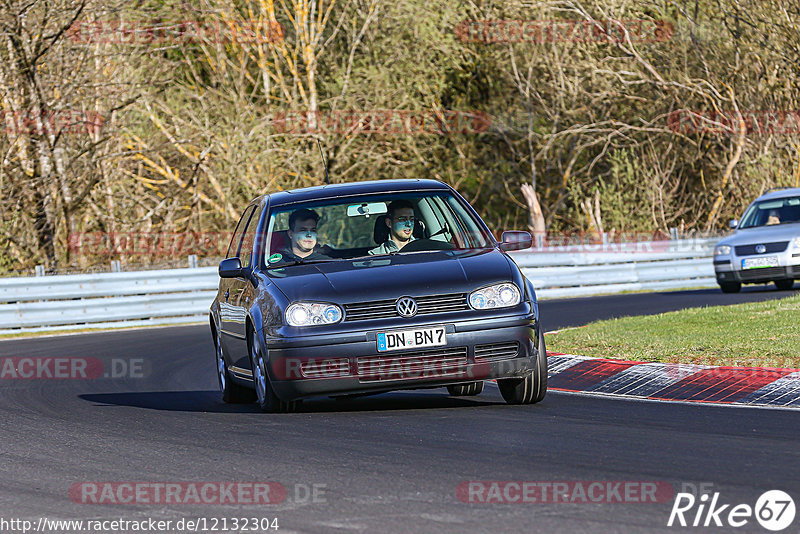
389	463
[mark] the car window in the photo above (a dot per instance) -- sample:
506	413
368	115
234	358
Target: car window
469	230
772	212
246	248
236	239
334	227
352	227
441	219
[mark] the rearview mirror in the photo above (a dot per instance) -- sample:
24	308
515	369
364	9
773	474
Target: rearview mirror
514	240
230	268
734	223
366	209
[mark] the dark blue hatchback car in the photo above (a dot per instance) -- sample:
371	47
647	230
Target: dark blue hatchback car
361	288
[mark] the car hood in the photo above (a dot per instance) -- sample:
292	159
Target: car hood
763	234
390	277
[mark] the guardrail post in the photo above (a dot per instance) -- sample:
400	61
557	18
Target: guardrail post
115	266
40	270
193	261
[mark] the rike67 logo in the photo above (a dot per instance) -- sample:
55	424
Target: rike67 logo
774	510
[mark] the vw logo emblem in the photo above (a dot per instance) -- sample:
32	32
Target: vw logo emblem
761	249
406	307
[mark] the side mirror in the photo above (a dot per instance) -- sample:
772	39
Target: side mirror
734	223
230	268
513	240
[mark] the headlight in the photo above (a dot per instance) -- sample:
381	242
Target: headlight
722	250
312	314
796	242
496	296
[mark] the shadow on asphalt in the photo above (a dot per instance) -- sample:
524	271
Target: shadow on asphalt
176	401
209	401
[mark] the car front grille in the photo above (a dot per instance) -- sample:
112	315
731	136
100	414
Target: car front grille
496	351
796	269
385	309
766	273
749	250
429	363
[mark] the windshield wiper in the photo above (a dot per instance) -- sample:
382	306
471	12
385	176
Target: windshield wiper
300	261
368	256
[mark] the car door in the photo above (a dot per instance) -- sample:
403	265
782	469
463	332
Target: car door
227	310
242	293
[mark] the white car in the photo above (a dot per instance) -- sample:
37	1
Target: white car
766	245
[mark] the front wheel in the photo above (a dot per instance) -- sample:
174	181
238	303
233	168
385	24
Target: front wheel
533	387
266	398
232	392
730	287
466	390
784	285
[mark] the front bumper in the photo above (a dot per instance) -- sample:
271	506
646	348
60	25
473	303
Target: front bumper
349	363
729	269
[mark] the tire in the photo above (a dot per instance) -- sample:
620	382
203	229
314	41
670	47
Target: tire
232	393
532	388
784	285
266	399
730	287
466	390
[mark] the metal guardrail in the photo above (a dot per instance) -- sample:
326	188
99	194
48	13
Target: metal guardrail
613	268
174	296
67	302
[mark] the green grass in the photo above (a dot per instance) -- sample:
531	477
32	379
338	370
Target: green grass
758	334
634	291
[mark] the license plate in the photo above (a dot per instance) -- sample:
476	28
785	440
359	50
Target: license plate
760	263
412	339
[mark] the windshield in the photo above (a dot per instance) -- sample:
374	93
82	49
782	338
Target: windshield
772	212
374	225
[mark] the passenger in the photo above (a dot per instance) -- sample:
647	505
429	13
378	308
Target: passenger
400	220
303	237
773	218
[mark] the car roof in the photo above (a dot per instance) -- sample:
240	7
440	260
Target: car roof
780	193
322	192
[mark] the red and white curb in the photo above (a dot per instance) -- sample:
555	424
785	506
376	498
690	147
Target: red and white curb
750	386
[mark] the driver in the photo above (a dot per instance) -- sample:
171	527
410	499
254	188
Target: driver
302	237
773	218
400	220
